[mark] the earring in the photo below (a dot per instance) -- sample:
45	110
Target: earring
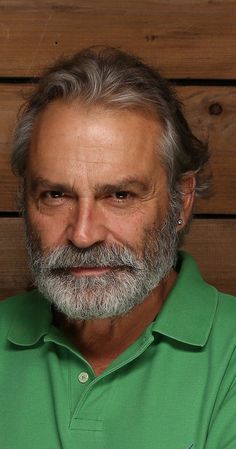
180	221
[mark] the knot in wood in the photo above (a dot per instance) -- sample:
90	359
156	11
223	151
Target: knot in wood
215	109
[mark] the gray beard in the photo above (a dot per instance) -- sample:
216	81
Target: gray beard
111	294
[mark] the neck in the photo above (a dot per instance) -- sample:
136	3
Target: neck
100	341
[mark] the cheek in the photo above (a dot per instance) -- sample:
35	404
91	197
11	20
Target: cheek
130	229
49	229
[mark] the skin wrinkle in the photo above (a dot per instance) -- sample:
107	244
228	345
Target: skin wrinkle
115	116
98	189
86	218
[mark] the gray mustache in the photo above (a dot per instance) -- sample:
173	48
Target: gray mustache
98	256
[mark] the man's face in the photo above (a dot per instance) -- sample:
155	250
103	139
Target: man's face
97	209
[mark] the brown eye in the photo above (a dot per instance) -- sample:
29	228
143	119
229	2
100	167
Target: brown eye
122	195
52	197
54	194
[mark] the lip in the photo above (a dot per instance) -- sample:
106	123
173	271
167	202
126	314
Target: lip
90	271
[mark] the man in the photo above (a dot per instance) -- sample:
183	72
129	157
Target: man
122	344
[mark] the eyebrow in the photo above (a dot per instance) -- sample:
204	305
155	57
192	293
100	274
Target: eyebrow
142	185
38	181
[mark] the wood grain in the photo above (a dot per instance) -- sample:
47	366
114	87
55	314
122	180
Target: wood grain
212	242
211	112
11	97
14	274
186	39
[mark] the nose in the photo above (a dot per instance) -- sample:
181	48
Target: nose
87	225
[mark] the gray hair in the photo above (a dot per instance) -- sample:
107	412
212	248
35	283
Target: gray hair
115	79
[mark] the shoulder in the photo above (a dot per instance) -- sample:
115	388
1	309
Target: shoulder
14	302
226	311
227	301
221	341
21	304
224	316
193	281
210	312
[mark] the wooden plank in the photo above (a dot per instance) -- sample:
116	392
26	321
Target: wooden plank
185	39
211	113
210	241
14	274
11	97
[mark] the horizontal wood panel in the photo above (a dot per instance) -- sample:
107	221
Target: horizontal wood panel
186	39
212	242
211	112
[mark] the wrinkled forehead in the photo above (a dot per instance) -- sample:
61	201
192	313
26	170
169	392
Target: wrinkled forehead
94	134
69	137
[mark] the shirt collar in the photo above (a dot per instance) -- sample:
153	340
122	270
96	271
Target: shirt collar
188	313
31	320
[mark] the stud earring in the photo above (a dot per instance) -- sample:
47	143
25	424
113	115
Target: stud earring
180	221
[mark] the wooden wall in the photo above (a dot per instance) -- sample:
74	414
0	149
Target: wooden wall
192	42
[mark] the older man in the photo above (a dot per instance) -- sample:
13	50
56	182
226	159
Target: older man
122	345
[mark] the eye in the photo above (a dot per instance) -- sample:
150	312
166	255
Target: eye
52	197
123	198
53	194
122	195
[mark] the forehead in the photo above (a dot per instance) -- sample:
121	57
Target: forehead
69	137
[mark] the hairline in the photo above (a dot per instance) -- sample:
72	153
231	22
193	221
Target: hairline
146	109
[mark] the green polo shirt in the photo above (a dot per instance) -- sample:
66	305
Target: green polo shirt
174	388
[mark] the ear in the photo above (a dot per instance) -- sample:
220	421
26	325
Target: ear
187	187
